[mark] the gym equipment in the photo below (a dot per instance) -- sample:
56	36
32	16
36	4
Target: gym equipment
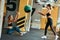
27	8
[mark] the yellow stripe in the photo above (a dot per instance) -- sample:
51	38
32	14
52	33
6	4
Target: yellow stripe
21	24
20	21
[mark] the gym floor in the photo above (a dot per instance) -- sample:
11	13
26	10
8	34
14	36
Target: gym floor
34	34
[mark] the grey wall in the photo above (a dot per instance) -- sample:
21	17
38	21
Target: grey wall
10	12
36	17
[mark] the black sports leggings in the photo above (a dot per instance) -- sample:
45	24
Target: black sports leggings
49	23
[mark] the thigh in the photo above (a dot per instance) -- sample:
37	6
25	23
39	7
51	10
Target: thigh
51	24
10	31
47	25
17	29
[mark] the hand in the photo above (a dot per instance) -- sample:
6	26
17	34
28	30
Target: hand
15	20
37	11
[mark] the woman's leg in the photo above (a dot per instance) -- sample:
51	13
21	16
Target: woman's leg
51	26
47	25
56	36
10	31
17	29
46	28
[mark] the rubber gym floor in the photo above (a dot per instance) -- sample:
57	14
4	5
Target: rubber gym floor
34	34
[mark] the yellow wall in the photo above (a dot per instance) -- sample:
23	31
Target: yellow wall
21	7
5	10
28	14
54	16
22	12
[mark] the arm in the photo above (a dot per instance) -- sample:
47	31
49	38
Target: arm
41	13
9	22
16	17
10	19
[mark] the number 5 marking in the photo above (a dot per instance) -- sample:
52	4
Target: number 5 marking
11	3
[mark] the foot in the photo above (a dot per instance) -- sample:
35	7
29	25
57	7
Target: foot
56	37
21	34
44	37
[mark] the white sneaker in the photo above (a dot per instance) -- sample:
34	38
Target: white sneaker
44	37
56	37
21	34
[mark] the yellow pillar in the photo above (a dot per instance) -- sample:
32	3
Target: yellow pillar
5	9
22	13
